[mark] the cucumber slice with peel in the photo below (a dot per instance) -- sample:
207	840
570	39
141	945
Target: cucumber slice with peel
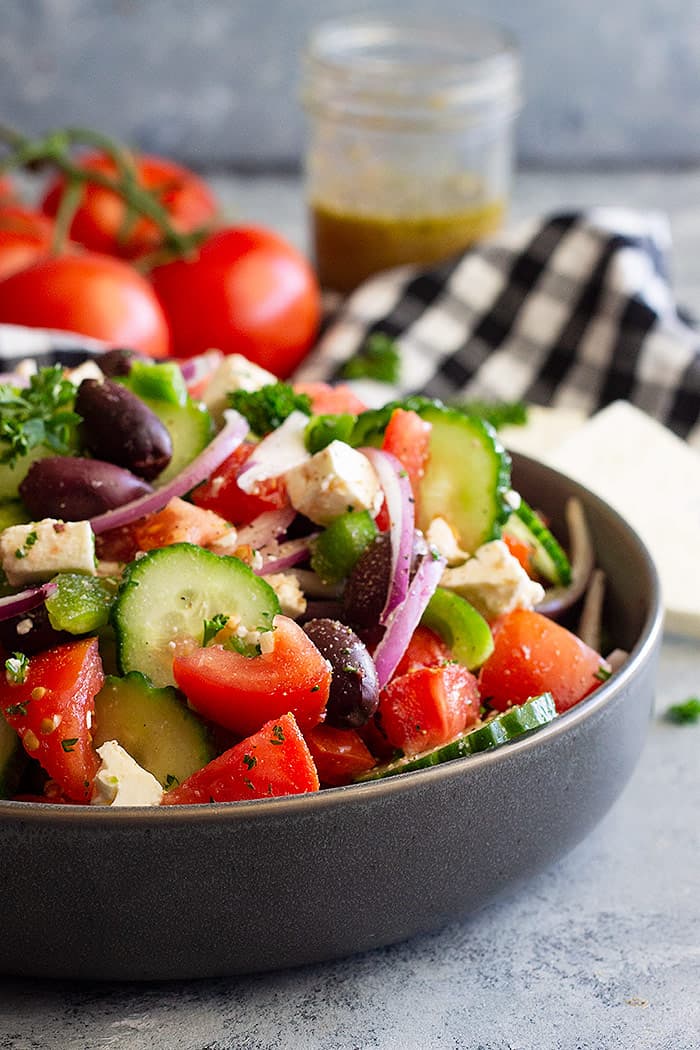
499	730
169	593
549	557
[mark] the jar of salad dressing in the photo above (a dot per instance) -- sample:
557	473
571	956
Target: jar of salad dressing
410	141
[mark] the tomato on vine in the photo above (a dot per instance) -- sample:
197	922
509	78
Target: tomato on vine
25	236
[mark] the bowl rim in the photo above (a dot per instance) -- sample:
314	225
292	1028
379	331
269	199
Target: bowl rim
60	815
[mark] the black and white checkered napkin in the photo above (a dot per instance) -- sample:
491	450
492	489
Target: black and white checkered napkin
574	311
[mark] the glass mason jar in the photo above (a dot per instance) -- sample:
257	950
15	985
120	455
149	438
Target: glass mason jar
410	141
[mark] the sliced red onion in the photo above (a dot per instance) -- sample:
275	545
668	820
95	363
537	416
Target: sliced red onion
400	504
277	453
558	599
617	659
194	369
226	441
591	619
284	556
265	529
16	604
406	617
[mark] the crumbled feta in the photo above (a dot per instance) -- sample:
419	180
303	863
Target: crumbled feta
35	552
234	373
335	480
120	781
440	535
291	597
493	581
87	370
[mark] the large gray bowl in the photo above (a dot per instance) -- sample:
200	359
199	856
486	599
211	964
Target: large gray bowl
242	887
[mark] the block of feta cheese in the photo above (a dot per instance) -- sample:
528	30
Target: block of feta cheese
121	781
652	478
234	373
35	552
335	480
493	581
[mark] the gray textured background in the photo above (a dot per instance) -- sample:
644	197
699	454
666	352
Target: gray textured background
214	81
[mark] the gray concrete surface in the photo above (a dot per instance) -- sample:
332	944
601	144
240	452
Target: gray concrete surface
215	82
600	952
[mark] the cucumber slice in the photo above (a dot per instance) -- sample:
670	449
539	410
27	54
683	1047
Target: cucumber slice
549	558
461	627
191	429
13	513
509	725
154	725
467	477
168	594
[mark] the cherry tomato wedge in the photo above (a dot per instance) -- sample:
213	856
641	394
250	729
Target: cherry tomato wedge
100	222
245	291
274	761
222	494
52	710
340	755
90	294
241	692
533	654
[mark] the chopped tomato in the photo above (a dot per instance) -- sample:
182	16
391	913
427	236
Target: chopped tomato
179	522
331	400
427	707
242	692
340	755
532	654
52	710
521	550
425	649
407	437
274	761
222	494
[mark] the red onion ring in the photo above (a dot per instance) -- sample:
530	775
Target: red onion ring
226	441
398	493
264	530
16	604
558	599
284	555
406	617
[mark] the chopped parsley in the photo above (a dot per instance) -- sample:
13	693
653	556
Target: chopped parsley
685	713
497	413
238	645
16	669
250	761
41	414
267	408
378	359
277	735
171	781
213	626
24	550
69	743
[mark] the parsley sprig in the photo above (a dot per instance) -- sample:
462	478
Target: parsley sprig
378	359
267	408
685	713
41	414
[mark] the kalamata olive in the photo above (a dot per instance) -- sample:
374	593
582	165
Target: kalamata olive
31	633
117	362
366	588
120	428
354	695
72	488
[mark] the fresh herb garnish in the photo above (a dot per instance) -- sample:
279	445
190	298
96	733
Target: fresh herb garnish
603	673
685	713
267	408
69	743
378	359
250	761
238	645
171	781
24	550
41	414
213	626
16	668
277	735
497	413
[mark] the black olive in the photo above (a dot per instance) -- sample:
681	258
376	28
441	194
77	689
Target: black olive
71	488
354	693
120	428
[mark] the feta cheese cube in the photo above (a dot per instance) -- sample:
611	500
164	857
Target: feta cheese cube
291	597
493	581
335	480
440	535
35	552
120	781
234	373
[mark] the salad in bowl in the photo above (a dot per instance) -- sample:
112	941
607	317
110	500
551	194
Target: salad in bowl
219	587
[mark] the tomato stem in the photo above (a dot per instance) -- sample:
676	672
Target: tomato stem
55	149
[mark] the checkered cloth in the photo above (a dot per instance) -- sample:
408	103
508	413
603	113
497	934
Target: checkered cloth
575	311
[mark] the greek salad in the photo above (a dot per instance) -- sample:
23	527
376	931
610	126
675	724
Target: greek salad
217	586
